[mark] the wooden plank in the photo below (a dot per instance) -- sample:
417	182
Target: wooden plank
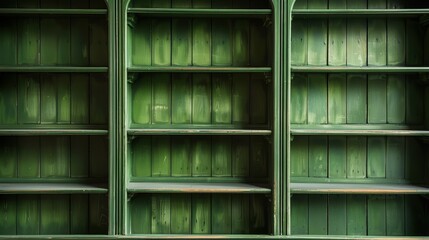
28	40
63	99
140	41
377	157
201	3
141	105
48	99
161	207
240	206
395	215
181	160
258	43
299	38
99	103
356	36
337	157
356	215
50	188
337	35
79	37
98	214
356	98
258	157
317	99
414	42
9	157
28	98
79	214
161	42
8	41
201	99
201	42
8	99
98	157
318	156
28	157
240	156
299	215
161	156
181	98
414	216
241	41
79	156
317	36
221	156
28	215
161	94
354	187
299	99
79	99
337	98
8	215
181	214
377	99
201	156
318	215
396	158
141	214
299	157
396	96
414	104
221	214
258	101
337	215
55	156
258	214
98	42
356	157
201	214
377	215
54	214
181	39
222	99
414	149
240	105
141	152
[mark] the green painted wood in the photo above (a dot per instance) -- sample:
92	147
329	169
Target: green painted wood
141	215
8	41
222	42
161	212
141	151
181	214
414	42
241	40
356	99
181	160
299	215
377	99
337	215
201	214
258	43
317	99
203	13
413	162
414	104
201	156
201	98
161	156
240	92
299	38
181	98
356	215
29	186
79	158
51	11
376	157
98	155
28	215
414	216
98	43
351	187
48	100
356	157
240	156
181	41
28	157
395	154
98	106
259	100
8	99
28	99
194	187
161	42
337	98
395	210
54	214
337	36
356	36
299	99
55	157
141	42
201	42
79	214
377	215
221	214
55	40
221	156
204	69
258	157
79	35
396	99
8	215
258	215
222	99
98	214
299	157
240	214
318	156
318	214
317	37
337	156
141	109
161	98
28	41
9	157
63	99
52	69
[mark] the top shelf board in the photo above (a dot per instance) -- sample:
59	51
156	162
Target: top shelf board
51	11
378	13
51	188
198	13
192	69
52	69
365	69
357	130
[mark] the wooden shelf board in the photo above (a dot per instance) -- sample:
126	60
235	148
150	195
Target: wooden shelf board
174	187
51	188
189	131
365	69
199	12
29	130
380	13
53	69
192	69
51	11
358	130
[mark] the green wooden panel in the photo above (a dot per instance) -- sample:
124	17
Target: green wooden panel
28	157
377	215
221	156
201	99
9	157
201	214
142	100
337	48
221	90
54	214
240	157
221	214
161	98
141	157
337	98
221	42
317	99
258	157
28	41
299	157
161	156
356	98
201	156
28	98
48	101
299	38
141	42
8	99
258	214
79	156
377	36
98	155
240	214
299	99
201	42
356	215
241	40
8	215
415	216
337	157
181	214
98	214
258	101
258	43
240	98
141	214
8	41
396	158
98	43
396	99
55	156
79	99
181	160
99	104
377	99
63	99
356	36
414	43
396	33
414	104
79	38
377	157
318	156
55	40
299	214
79	214
318	214
395	219
317	37
356	157
182	42
161	42
337	215
28	215
181	98
414	150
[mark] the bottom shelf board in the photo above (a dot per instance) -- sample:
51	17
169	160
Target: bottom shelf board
356	188
51	188
169	187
